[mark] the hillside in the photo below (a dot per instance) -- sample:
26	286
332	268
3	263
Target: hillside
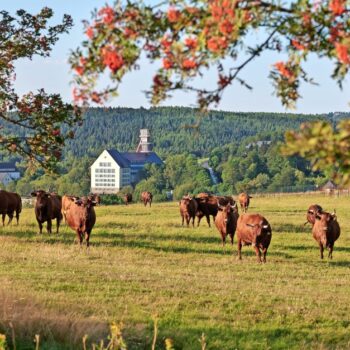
172	129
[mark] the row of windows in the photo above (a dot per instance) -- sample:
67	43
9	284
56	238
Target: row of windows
105	164
105	175
104	185
105	180
105	170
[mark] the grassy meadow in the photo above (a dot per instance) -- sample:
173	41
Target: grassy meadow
143	265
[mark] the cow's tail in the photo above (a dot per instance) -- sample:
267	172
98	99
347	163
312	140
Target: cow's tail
19	209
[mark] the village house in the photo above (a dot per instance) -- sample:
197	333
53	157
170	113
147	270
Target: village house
8	173
113	170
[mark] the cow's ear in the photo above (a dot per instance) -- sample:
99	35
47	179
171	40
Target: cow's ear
33	194
250	225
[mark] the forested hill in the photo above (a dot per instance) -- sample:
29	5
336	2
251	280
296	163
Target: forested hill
119	128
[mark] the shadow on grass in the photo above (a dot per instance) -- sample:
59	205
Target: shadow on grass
146	242
291	228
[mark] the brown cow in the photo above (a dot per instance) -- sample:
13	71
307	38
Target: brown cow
146	197
326	231
244	200
188	209
48	207
226	221
127	198
14	206
208	205
81	217
3	205
253	229
311	213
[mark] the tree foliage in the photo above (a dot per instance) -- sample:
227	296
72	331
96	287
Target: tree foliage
39	116
187	37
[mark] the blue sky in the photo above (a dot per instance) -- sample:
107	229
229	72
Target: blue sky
53	73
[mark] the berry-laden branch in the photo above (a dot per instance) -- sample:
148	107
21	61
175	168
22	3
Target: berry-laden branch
41	117
186	38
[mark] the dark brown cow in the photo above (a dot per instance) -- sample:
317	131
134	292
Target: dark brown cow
311	213
14	205
188	209
244	200
253	229
226	221
326	231
127	198
81	217
48	206
95	198
208	205
3	205
146	197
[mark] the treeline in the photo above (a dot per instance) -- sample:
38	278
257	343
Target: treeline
174	130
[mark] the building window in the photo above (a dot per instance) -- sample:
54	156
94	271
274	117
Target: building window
107	164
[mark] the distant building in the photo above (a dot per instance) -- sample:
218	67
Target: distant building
113	170
329	187
8	173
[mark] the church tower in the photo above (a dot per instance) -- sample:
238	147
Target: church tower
145	145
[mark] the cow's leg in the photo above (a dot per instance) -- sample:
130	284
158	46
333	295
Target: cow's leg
10	215
208	219
239	249
231	237
330	254
87	239
183	219
257	252
3	219
188	219
80	237
193	217
150	203
264	250
321	250
199	218
58	225
40	227
49	226
17	217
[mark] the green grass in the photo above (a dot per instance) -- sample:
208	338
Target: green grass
142	263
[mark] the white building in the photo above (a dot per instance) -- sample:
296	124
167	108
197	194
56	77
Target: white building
113	170
8	173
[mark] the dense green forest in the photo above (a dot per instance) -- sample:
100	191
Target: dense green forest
241	148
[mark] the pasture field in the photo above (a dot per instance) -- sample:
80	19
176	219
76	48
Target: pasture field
142	263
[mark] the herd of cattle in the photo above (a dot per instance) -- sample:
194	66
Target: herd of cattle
250	229
253	229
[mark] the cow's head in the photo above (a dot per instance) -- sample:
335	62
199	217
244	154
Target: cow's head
227	211
260	228
84	202
95	197
42	198
312	212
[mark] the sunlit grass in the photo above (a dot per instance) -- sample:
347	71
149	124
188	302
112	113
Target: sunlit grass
142	262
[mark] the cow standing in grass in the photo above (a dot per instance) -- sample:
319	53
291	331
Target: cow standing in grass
253	229
311	213
14	205
188	209
244	201
127	198
146	197
3	205
48	206
226	221
326	231
81	217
